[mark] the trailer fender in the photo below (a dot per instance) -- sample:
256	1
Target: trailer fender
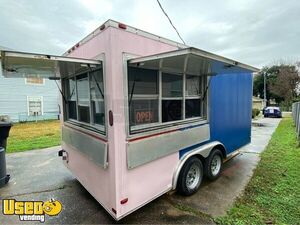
203	151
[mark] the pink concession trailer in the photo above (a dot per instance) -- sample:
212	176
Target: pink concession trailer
142	115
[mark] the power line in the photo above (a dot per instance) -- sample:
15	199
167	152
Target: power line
170	21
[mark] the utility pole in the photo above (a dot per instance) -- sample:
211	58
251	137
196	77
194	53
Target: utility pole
265	90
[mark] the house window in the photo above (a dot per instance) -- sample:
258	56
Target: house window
143	96
35	106
85	98
156	98
34	80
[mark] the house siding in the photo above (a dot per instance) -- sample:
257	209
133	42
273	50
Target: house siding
13	98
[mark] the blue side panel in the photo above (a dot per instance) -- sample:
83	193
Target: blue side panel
230	109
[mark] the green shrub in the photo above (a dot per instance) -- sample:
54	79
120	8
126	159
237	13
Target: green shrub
255	113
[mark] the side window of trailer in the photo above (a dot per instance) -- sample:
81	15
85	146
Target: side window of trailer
143	96
193	95
172	97
71	98
85	98
157	98
97	97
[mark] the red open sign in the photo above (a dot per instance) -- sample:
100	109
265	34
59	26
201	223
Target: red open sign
144	117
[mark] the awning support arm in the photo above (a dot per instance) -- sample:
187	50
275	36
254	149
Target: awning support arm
206	89
132	90
99	88
62	94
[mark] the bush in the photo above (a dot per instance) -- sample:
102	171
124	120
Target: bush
255	113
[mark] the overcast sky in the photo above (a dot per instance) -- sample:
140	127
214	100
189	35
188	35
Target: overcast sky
251	31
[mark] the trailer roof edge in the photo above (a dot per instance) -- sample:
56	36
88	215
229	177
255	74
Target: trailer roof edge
115	24
131	29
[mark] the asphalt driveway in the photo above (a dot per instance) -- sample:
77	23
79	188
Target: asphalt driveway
40	175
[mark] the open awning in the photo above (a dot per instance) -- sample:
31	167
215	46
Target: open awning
28	65
191	61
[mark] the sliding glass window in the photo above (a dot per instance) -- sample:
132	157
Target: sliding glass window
142	96
193	95
97	97
85	98
156	98
172	97
71	98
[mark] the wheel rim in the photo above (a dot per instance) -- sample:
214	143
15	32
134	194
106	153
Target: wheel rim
216	165
193	176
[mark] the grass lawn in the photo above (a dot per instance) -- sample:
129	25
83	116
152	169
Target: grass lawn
273	194
32	135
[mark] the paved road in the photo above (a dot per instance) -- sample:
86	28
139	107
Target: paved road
40	175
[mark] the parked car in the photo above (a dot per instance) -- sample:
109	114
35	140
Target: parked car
272	111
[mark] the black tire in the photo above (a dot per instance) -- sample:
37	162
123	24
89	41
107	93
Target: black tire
191	167
208	164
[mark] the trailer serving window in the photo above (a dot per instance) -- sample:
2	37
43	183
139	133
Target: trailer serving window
85	99
195	87
143	96
175	102
166	91
179	89
172	97
82	83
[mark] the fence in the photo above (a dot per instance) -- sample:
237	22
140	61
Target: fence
296	116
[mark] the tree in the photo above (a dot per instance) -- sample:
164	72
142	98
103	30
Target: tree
286	83
282	83
258	85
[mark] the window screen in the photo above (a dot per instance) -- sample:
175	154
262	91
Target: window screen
192	108
171	110
172	85
193	85
162	97
142	96
172	97
97	97
71	98
142	81
193	93
143	111
83	98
